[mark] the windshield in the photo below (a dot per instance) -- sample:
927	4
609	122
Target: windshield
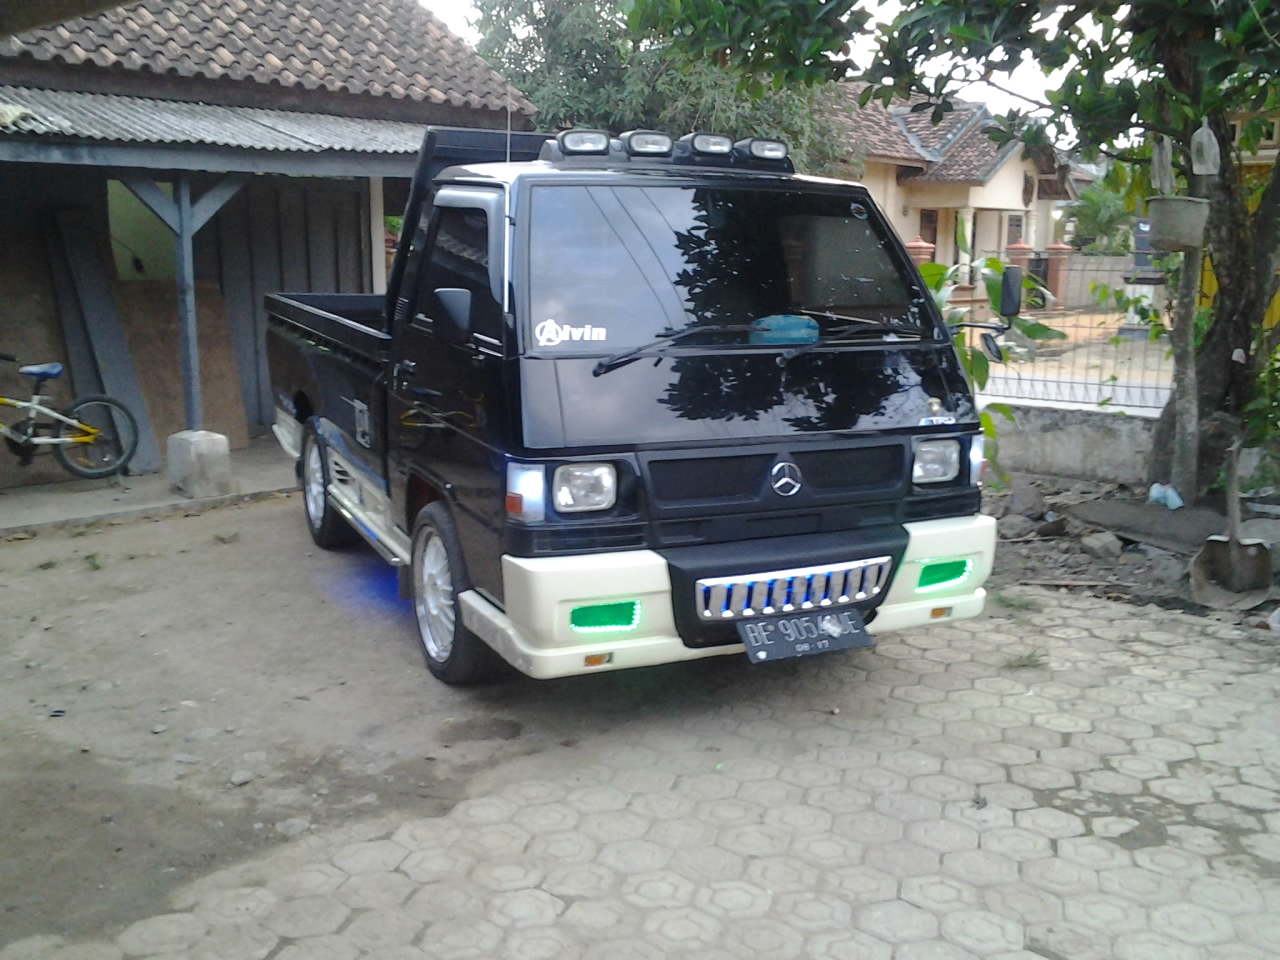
616	267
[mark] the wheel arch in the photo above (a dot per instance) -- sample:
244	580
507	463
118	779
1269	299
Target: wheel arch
303	408
419	493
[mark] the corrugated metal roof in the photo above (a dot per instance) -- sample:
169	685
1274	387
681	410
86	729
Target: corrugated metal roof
111	118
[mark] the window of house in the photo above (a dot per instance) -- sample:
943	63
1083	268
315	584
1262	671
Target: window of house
1013	232
929	226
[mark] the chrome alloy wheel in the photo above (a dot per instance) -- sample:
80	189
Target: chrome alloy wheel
433	596
313	484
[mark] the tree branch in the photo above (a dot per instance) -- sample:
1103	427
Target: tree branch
1038	104
1124	157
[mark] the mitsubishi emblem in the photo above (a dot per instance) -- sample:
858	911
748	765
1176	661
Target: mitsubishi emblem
785	479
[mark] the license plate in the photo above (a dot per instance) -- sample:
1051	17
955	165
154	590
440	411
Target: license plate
777	638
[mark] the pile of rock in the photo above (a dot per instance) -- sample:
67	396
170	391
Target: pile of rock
1023	515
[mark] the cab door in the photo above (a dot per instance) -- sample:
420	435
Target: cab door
443	394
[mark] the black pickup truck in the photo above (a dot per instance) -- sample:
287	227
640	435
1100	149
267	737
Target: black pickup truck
634	400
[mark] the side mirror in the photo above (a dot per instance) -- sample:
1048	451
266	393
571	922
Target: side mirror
457	305
991	348
1011	292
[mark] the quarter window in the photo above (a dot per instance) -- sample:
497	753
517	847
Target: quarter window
459	257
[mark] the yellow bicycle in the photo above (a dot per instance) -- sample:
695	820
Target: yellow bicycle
94	437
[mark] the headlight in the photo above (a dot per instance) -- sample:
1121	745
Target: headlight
937	461
579	487
977	459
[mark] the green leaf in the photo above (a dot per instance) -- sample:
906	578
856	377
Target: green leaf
979	367
1035	330
965	32
988	424
962	238
934	275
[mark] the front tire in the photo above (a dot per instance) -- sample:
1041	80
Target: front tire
454	654
329	529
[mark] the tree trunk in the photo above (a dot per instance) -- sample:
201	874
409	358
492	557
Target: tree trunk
1244	249
1186	406
1222	382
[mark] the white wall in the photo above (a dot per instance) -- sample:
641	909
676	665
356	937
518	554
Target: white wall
881	180
1004	190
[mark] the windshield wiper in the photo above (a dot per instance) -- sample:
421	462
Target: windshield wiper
850	333
621	359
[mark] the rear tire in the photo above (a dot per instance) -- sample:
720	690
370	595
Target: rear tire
114	446
454	654
329	529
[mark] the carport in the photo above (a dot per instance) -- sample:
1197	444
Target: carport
255	200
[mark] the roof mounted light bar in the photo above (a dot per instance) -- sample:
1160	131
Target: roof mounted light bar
701	148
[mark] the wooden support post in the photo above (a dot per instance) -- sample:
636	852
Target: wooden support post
190	346
184	219
377	236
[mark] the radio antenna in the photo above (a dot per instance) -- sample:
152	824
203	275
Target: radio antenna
508	123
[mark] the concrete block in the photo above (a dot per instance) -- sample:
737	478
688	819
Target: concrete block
200	464
1099	446
1104	546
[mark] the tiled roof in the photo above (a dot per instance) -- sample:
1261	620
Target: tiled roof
957	149
384	48
972	157
938	138
872	127
112	118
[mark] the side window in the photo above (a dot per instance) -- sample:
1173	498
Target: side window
459	257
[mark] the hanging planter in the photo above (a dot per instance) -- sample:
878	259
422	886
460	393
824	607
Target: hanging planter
1177	223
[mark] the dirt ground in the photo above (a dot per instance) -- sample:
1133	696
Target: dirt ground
145	666
181	694
1142	573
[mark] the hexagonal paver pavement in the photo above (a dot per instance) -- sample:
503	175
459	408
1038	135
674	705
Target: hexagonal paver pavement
1120	803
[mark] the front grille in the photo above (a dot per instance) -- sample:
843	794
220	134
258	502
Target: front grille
709	478
790	591
852	468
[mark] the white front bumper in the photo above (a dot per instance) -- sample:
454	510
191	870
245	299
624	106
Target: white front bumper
535	637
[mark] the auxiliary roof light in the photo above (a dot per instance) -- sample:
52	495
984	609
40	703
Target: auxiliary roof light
716	144
763	149
583	142
646	143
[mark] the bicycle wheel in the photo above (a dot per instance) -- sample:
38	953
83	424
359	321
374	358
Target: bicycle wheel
103	449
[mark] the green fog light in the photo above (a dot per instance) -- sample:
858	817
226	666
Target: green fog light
598	617
948	573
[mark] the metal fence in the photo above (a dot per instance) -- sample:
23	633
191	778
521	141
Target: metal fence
1108	359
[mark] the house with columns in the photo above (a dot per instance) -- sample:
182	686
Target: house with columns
949	186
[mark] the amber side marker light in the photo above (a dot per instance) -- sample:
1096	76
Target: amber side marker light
597	659
939	613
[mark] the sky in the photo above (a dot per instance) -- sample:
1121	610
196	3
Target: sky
455	14
1028	79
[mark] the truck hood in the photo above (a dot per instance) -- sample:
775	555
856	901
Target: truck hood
691	398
